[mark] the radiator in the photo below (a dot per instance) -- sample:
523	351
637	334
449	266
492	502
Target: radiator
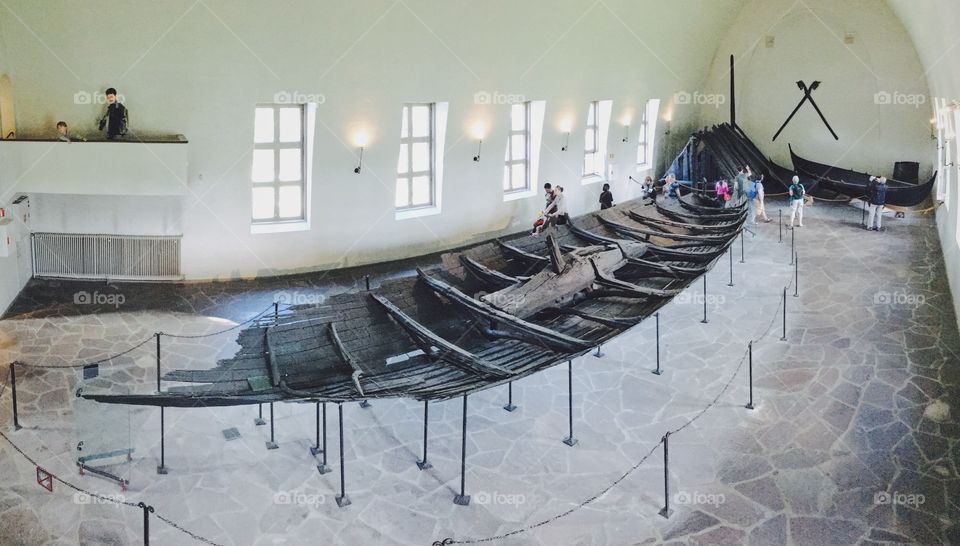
106	257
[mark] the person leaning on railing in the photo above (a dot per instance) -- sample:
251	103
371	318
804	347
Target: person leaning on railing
115	117
64	134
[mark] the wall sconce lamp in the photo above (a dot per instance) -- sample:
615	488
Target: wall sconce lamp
479	145
626	132
360	139
478	131
565	129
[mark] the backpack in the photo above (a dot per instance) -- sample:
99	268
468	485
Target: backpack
798	191
753	192
878	194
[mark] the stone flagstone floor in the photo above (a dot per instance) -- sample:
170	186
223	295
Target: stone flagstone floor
854	439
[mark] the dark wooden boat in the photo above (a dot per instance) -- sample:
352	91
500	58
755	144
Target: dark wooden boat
854	183
479	317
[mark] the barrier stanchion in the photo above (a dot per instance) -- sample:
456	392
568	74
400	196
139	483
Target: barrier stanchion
147	510
750	372
780	226
13	392
316	449
425	464
784	337
272	444
598	354
570	440
743	255
730	253
162	469
704	299
793	247
510	406
258	420
342	499
666	511
796	275
656	316
323	468
463	499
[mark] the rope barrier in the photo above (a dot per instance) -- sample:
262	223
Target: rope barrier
234	327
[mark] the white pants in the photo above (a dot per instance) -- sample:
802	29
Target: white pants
796	205
874	210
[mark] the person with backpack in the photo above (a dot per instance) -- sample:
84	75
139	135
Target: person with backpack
877	196
797	194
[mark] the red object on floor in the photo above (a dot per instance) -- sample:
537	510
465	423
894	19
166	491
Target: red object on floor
45	479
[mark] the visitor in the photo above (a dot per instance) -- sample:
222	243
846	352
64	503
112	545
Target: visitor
741	181
647	189
671	187
722	191
877	197
797	195
115	117
557	216
606	197
756	196
64	135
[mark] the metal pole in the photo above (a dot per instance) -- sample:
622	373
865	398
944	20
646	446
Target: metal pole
258	420
364	404
796	275
792	244
784	338
158	361
162	469
276	312
425	464
146	522
322	467
316	449
598	354
510	406
730	252
367	279
272	444
463	499
743	258
13	390
342	498
666	511
863	212
570	440
704	299
750	370
657	317
780	225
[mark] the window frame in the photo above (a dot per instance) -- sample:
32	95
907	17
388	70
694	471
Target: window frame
646	140
509	160
276	145
409	140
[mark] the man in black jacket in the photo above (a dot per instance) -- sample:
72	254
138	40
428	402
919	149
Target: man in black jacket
115	116
877	195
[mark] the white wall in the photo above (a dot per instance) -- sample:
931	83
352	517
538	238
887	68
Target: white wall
199	69
809	44
933	25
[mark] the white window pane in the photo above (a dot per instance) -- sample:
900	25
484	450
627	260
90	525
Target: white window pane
421	156
403	164
291	167
263	125
518	144
291	202
262	166
404	125
263	203
519	175
421	121
589	164
421	190
506	177
592	114
403	192
290	124
518	117
588	142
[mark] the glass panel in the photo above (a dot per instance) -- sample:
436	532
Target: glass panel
506	177
519	147
518	117
403	164
291	202
290	124
291	168
519	175
262	166
404	125
592	114
421	121
421	156
263	125
588	142
589	164
403	192
263	203
421	190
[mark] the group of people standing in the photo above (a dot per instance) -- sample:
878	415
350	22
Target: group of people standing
555	208
113	121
